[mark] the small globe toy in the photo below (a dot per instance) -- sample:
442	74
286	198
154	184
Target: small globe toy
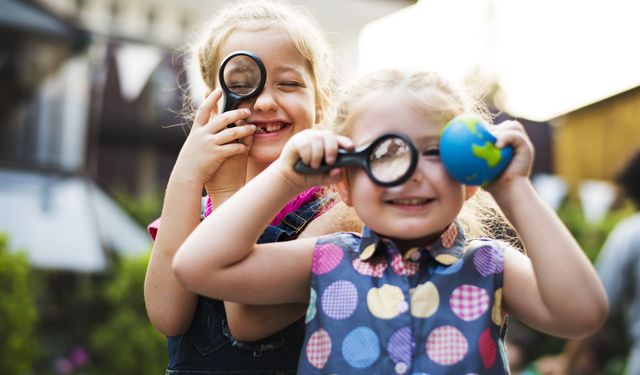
468	151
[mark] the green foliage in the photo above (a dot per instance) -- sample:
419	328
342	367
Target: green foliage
126	343
142	209
590	236
18	313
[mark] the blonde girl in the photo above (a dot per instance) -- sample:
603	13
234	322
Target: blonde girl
415	293
221	159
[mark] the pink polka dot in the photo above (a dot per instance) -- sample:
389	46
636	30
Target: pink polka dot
318	348
446	345
469	302
325	258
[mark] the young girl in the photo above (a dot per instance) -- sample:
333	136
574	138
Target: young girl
294	98
416	293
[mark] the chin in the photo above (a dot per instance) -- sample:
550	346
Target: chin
264	156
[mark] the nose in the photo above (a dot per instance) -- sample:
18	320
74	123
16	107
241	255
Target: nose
418	174
266	101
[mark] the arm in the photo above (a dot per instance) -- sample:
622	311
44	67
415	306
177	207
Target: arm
169	305
221	258
556	289
251	322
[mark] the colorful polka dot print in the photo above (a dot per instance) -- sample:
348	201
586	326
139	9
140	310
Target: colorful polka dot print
433	310
446	345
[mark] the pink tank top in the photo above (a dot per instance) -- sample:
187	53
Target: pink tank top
294	204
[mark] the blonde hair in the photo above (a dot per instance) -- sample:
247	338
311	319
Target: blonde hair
440	101
259	15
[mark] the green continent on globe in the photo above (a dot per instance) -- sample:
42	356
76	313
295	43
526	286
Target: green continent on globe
470	122
488	153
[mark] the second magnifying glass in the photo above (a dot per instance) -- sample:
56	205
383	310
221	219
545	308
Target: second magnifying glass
388	161
242	76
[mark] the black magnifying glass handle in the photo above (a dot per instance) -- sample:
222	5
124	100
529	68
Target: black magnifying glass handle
343	159
388	161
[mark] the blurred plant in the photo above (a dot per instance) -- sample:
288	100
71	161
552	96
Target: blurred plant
143	209
77	359
17	311
591	236
126	343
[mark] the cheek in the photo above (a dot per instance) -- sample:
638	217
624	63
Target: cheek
360	186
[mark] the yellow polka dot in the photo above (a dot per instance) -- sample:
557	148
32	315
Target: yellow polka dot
367	252
425	300
496	312
446	259
383	302
409	252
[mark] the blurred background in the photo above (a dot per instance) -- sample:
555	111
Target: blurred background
91	93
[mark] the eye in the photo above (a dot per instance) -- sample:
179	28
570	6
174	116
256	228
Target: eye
290	84
431	152
241	88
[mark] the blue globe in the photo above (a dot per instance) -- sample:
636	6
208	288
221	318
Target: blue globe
468	151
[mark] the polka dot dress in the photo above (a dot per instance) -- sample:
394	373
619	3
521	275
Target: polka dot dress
432	310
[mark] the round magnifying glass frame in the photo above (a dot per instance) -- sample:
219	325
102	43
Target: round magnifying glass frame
250	68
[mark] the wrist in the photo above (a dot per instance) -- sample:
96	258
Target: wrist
512	192
291	181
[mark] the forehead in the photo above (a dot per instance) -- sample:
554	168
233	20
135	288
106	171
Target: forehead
274	47
395	111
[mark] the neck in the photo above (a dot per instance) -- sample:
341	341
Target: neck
404	245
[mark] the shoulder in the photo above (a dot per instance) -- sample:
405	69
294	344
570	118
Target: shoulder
338	218
486	244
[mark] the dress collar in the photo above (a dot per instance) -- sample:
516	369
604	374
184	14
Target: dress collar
446	249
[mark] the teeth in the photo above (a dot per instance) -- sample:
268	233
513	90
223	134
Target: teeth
410	201
269	128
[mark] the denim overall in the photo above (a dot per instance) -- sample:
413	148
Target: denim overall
208	346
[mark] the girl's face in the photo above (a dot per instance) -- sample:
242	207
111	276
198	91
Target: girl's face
421	207
287	104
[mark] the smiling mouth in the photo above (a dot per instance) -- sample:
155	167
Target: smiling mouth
410	201
270	128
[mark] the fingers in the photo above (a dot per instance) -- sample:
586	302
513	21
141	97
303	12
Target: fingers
509	133
232	149
228	135
207	108
324	146
317	151
223	120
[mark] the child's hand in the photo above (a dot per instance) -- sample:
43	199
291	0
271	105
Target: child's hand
512	133
313	147
210	143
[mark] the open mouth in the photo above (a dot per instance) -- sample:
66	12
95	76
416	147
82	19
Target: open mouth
270	128
410	201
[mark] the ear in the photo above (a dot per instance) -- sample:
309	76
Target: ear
469	191
343	189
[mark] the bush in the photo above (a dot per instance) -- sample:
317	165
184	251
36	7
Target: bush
17	311
126	343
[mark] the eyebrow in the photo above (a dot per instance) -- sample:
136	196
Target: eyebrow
289	68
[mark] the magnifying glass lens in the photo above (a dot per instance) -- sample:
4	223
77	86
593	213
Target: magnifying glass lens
390	160
242	75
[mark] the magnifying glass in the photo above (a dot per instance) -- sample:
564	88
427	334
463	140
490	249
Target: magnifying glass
242	76
388	161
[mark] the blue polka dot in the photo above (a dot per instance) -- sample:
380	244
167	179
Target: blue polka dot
311	309
361	347
448	270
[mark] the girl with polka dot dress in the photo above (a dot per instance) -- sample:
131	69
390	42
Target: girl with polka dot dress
427	287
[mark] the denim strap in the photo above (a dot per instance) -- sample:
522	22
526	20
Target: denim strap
292	224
